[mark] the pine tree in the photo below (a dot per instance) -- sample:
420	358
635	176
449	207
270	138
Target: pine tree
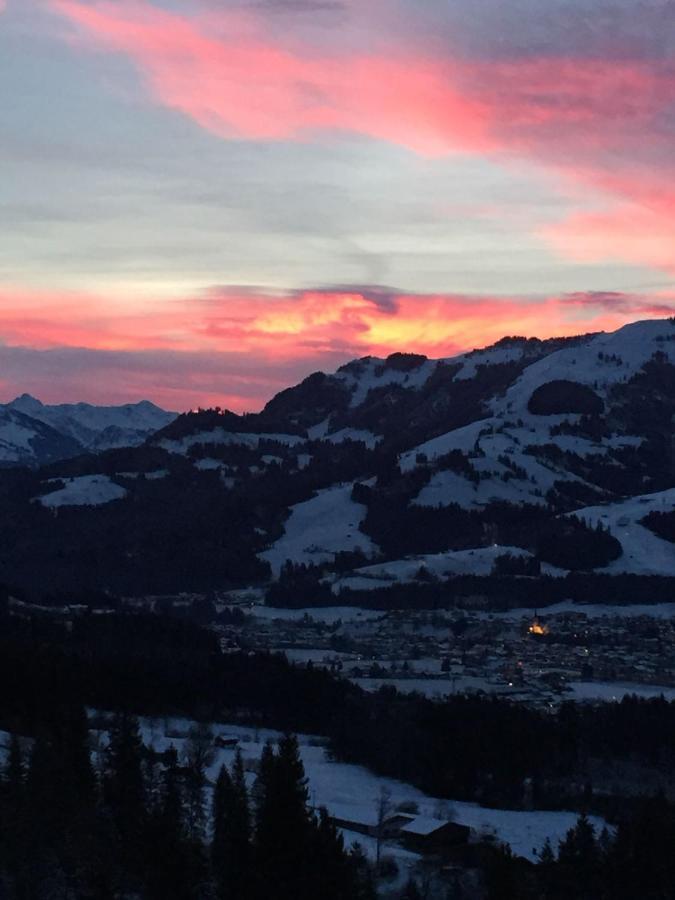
222	804
124	786
283	823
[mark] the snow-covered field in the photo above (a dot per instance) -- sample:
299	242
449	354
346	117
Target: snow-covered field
84	490
643	551
351	792
478	561
326	614
228	438
319	528
593	611
615	691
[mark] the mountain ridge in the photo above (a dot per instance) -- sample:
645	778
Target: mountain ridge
562	449
74	427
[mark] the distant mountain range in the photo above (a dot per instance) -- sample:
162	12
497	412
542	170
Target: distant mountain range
526	459
32	433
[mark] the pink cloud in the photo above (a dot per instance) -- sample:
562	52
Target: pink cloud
598	122
228	75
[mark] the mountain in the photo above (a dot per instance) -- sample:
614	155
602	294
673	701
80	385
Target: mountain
25	441
81	427
528	459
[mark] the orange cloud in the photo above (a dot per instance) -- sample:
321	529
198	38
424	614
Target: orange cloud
238	346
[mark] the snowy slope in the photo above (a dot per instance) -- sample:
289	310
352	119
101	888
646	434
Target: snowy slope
227	438
84	490
513	434
442	565
605	360
27	441
644	553
351	792
369	373
319	528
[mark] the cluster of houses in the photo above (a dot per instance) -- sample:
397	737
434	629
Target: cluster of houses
532	658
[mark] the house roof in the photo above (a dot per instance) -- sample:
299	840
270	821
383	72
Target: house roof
424	825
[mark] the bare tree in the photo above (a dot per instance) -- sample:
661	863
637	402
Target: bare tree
382	810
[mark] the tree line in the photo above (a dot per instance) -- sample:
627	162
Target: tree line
133	822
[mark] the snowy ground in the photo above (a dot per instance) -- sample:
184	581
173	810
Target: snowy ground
594	611
326	614
228	438
430	687
643	551
351	792
615	691
84	490
319	528
478	561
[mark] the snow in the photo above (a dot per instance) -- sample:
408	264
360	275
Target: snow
463	439
208	464
319	528
15	436
446	487
319	431
478	561
83	490
363	376
490	356
354	434
86	423
593	611
511	429
228	439
326	614
423	825
635	344
643	552
303	460
351	792
616	691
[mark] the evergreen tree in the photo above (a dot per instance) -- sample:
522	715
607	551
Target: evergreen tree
124	786
283	824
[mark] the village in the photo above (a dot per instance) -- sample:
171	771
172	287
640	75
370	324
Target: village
538	657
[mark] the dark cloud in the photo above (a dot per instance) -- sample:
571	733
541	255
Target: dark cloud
498	29
618	302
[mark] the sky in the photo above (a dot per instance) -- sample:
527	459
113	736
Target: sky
203	201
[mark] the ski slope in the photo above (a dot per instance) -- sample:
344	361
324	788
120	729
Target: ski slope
84	490
319	528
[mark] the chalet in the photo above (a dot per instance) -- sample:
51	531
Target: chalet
426	835
225	742
420	834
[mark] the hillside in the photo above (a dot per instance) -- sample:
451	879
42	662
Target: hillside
389	471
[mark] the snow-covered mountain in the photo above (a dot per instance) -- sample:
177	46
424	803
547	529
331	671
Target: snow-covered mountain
31	428
559	425
25	441
528	458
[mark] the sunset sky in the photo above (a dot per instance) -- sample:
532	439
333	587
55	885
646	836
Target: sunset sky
202	201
